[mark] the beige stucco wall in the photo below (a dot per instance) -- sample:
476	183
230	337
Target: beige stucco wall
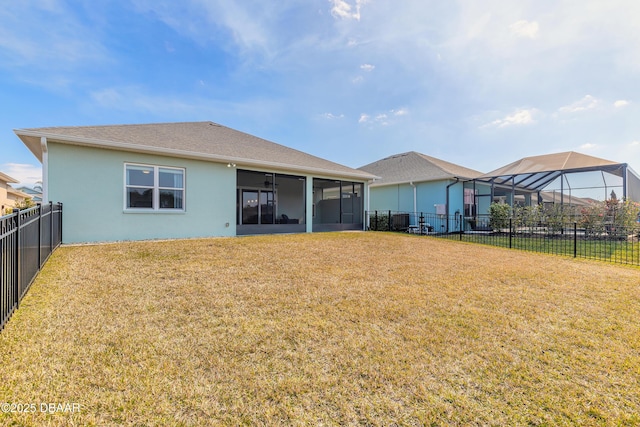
8	198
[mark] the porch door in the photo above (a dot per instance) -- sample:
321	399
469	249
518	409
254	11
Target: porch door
250	207
347	207
266	207
257	207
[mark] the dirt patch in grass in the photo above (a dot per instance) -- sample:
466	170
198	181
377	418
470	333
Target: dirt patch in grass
324	329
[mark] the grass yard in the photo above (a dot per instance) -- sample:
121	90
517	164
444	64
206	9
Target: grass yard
323	329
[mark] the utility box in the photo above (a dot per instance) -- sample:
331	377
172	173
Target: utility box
400	221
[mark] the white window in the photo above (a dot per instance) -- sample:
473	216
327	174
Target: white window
155	188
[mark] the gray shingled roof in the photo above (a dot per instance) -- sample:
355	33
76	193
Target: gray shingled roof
199	140
415	167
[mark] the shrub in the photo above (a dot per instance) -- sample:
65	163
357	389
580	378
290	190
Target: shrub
499	214
379	222
557	217
527	216
20	204
611	217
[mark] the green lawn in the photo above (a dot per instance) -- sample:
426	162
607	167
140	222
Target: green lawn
324	329
611	250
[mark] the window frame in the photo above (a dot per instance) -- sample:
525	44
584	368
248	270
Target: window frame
156	189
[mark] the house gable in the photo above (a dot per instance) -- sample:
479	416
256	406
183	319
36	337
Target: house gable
415	167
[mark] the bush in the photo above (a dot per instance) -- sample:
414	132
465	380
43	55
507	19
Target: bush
612	217
527	216
499	214
378	222
558	217
20	204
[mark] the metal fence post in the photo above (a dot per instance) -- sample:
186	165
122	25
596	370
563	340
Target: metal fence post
39	237
389	221
18	275
60	221
51	227
510	231
575	239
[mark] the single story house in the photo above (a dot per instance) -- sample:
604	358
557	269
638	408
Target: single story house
195	179
9	195
416	183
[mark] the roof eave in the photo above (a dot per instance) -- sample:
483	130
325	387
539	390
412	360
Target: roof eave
6	178
415	181
11	190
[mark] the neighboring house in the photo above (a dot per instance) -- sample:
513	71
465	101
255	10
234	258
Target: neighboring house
35	195
415	182
9	195
197	179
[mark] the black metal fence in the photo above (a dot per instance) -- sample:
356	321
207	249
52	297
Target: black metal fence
606	242
27	239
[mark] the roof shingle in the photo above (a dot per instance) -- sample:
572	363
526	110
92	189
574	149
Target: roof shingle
415	167
206	140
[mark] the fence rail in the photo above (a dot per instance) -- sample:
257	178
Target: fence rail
27	239
605	242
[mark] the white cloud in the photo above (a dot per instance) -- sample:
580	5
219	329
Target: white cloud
138	99
518	117
634	144
621	103
25	173
343	10
331	116
244	28
524	28
367	67
384	119
357	80
588	146
586	103
26	34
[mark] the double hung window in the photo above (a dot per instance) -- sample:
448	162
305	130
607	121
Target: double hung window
155	188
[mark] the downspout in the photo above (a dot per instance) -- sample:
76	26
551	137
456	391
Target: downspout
457	180
415	199
45	169
367	224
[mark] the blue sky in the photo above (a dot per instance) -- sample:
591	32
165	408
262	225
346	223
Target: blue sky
480	84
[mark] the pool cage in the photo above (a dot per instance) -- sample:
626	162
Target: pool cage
569	180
